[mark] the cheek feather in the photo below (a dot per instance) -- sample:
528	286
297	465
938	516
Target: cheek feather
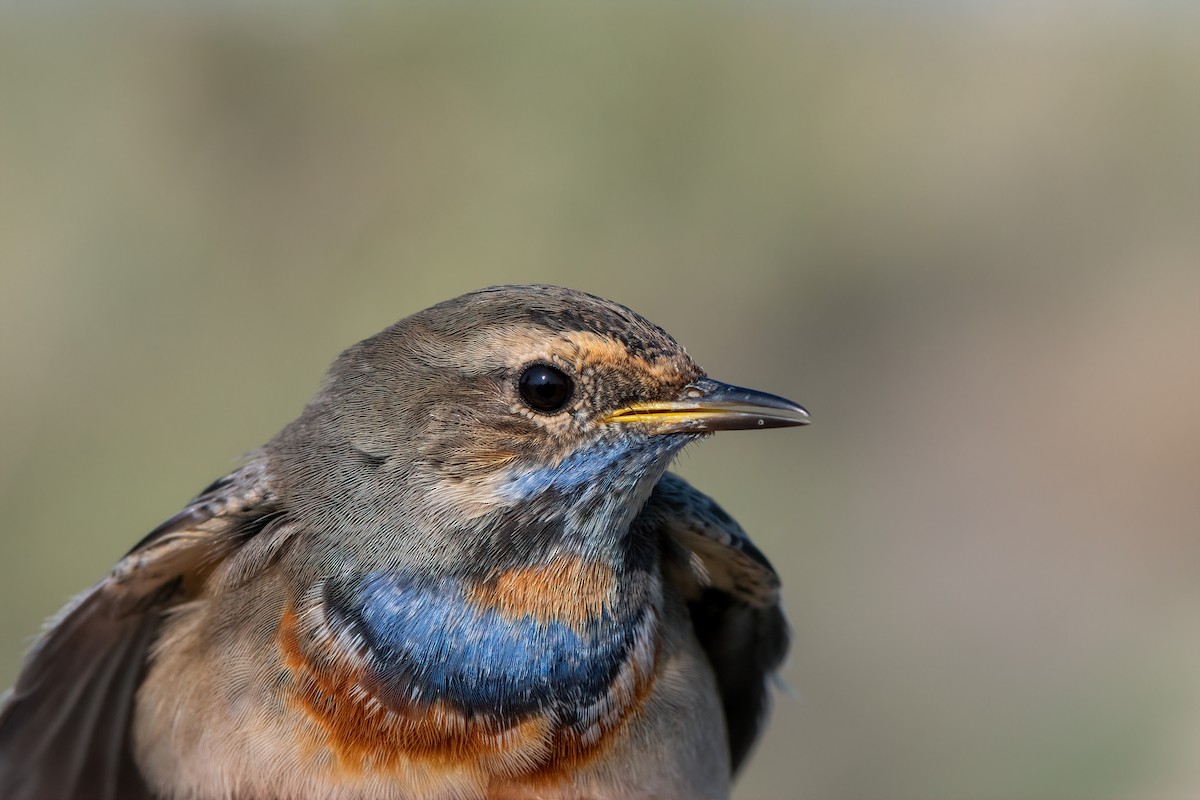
601	470
579	470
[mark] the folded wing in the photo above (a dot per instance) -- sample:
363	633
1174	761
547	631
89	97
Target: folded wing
733	596
64	726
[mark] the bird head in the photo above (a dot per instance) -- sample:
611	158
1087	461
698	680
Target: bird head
512	419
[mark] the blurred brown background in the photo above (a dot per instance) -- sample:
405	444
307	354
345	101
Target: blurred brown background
965	234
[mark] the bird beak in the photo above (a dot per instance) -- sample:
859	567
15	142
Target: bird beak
707	405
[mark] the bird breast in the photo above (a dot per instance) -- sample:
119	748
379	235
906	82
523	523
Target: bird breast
533	667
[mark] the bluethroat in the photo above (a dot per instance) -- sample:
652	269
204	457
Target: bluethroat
463	572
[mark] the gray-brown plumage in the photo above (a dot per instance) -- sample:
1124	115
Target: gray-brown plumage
462	572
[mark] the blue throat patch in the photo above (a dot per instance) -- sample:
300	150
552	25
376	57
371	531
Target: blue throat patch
433	639
432	643
599	468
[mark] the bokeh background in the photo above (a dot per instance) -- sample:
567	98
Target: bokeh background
966	234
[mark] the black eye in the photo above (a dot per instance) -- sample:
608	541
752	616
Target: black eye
545	388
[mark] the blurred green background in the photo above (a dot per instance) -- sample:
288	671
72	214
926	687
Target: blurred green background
965	234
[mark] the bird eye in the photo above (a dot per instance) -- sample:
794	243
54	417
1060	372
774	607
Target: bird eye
545	388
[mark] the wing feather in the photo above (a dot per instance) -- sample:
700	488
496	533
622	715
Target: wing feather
64	726
733	596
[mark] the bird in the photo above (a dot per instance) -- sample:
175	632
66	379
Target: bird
463	572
